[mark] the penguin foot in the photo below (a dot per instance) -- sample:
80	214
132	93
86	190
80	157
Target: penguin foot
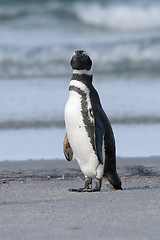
98	185
78	190
88	186
92	190
84	190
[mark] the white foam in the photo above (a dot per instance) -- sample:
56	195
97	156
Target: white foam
120	17
132	52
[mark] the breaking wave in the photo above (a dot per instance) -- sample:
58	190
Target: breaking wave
109	15
51	62
120	17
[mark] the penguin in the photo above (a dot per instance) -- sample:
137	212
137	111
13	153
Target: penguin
89	134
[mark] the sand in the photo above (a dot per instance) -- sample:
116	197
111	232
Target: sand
35	202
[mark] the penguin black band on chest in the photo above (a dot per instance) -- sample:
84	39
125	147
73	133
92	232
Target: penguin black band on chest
89	133
86	112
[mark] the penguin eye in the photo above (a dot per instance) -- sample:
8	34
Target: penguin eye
85	55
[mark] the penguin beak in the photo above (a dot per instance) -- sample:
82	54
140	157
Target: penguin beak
79	54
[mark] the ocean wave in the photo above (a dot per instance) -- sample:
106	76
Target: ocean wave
129	57
23	124
46	33
10	13
130	52
41	62
36	13
17	62
108	15
36	124
121	17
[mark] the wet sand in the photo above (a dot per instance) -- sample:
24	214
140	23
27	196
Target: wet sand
35	202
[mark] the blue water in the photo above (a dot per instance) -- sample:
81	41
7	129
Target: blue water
37	40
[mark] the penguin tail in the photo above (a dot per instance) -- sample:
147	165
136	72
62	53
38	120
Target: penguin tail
112	180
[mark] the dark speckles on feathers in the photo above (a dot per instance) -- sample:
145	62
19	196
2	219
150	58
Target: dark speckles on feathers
89	125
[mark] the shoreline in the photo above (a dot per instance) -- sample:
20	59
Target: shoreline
58	168
35	202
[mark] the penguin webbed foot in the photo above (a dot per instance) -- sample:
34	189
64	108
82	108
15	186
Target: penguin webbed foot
78	190
88	186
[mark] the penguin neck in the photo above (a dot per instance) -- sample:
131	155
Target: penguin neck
83	76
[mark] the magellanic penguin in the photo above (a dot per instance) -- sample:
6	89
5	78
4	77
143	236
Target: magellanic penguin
89	134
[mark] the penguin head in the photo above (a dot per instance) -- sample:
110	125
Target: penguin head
81	61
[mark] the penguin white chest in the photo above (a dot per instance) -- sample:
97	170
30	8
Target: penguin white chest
78	135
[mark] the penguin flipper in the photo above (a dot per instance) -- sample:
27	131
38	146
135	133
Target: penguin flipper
68	153
99	138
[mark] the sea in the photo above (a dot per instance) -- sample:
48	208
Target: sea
37	40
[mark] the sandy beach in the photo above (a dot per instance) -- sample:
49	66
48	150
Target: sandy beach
35	202
37	40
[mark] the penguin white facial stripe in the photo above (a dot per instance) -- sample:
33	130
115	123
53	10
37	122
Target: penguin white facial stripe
77	90
83	71
83	78
80	85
